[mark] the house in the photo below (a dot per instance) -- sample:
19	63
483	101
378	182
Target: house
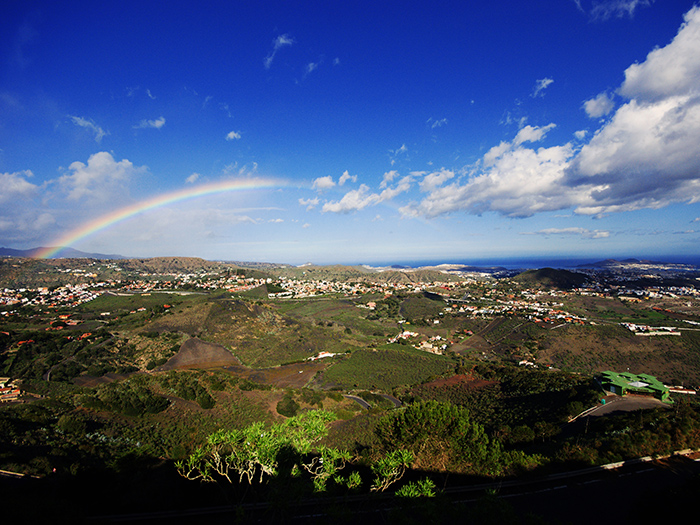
9	391
625	383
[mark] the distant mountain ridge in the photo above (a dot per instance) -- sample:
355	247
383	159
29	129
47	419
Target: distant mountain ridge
614	263
63	253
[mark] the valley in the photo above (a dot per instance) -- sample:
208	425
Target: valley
128	368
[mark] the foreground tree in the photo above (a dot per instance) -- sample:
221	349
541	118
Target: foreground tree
257	452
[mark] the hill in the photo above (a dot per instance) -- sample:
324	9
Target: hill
551	278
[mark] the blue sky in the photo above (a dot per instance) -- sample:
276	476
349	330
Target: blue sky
391	131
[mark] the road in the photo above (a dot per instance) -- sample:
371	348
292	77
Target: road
615	403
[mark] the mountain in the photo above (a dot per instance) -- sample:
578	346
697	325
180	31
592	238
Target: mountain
63	253
551	278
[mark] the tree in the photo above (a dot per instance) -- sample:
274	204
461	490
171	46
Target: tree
256	452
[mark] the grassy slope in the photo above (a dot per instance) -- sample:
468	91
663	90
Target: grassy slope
385	368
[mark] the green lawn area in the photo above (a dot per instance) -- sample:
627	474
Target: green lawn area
386	367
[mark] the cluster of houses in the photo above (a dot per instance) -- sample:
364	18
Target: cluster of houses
645	330
68	295
534	311
9	390
311	288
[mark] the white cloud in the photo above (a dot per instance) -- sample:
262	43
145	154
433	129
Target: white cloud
311	67
517	182
278	43
101	180
150	95
395	153
323	183
604	9
361	198
353	200
540	86
643	156
347	177
403	186
433	180
89	125
532	133
581	134
437	123
25	226
156	124
14	186
233	135
192	178
388	177
599	106
309	203
671	70
583	232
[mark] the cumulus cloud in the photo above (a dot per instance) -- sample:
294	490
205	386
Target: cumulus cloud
532	133
90	126
309	203
643	156
668	71
192	178
362	197
347	177
432	181
233	135
14	186
156	124
514	180
598	106
540	86
323	183
277	44
388	177
581	134
582	232
352	200
646	155
100	180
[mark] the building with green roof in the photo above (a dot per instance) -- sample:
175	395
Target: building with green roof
624	383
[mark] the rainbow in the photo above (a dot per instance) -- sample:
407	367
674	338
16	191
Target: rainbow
107	220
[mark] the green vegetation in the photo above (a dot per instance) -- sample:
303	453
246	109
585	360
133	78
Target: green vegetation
110	391
385	368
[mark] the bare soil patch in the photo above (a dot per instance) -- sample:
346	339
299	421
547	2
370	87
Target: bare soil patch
296	375
195	353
